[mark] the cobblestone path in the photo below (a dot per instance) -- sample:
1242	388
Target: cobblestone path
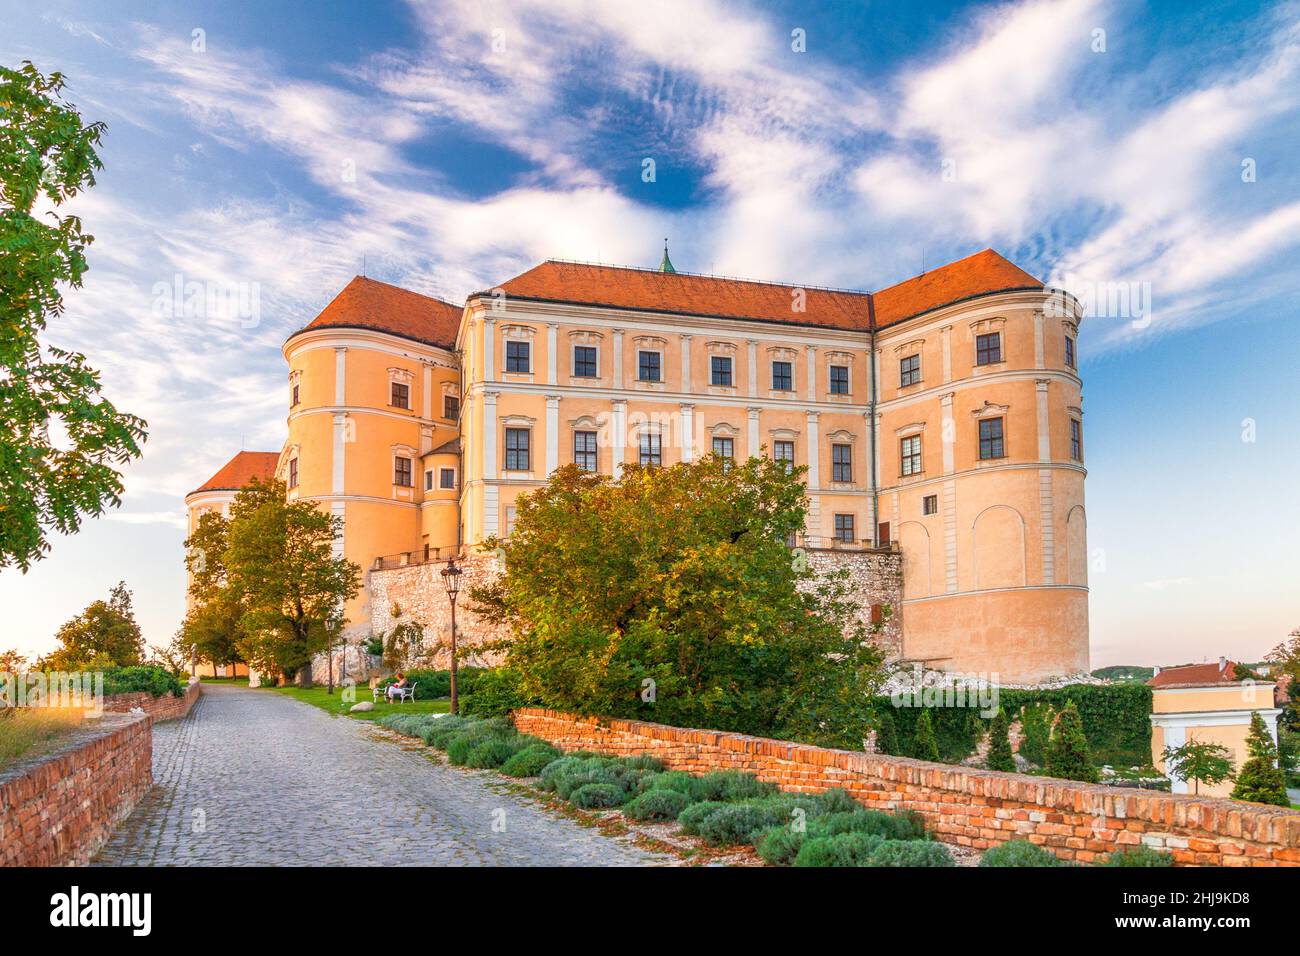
254	777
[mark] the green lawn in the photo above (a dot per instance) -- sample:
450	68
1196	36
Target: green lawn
334	704
241	681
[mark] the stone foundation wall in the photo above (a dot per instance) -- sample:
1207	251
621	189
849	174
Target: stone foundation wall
165	707
963	806
875	580
415	593
59	810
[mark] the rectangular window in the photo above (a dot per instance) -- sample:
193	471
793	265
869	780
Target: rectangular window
721	369
988	349
428	480
844	528
910	451
649	367
782	376
841	462
909	370
294	399
930	504
725	448
517	449
1069	352
447	478
584	450
403	473
517	357
1076	439
783	451
450	407
401	396
651	450
839	380
584	361
991	439
293	472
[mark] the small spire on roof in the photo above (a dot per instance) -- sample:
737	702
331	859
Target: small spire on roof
667	264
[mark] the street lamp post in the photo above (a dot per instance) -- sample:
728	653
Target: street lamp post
451	579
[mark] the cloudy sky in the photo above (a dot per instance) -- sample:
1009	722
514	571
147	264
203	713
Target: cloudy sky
1135	153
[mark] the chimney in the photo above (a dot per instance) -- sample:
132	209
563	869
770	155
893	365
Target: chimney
1155	670
1223	664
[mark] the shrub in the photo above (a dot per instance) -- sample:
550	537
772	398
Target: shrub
530	761
597	796
693	817
1140	855
1260	780
909	853
845	849
1067	753
999	755
924	746
153	680
885	825
660	804
729	785
677	780
886	734
496	692
491	754
551	774
780	845
596	770
644	762
739	823
1036	729
1018	853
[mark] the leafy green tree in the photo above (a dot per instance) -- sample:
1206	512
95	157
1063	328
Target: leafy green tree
104	634
1067	751
1260	779
886	734
61	443
670	594
1207	763
999	755
12	661
924	744
211	629
281	569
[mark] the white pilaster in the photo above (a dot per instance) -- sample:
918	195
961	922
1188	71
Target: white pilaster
814	453
490	435
617	358
1038	340
687	436
753	368
753	432
810	388
489	349
552	433
950	536
426	406
1044	434
686	363
551	358
619	438
948	432
945	335
340	376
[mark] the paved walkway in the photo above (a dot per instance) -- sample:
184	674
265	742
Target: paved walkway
254	777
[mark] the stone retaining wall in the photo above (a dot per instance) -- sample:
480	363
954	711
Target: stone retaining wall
59	809
964	806
165	707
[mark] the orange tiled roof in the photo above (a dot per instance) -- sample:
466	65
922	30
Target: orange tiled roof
683	293
371	304
1195	674
981	274
242	469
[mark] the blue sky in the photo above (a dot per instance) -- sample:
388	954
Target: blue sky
1101	145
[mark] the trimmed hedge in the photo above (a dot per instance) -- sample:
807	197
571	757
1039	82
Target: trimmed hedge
143	678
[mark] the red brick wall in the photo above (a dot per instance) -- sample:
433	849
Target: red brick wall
165	707
976	808
60	810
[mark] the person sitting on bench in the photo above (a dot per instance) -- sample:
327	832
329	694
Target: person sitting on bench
395	688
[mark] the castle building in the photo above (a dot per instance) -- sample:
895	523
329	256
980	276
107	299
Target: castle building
940	418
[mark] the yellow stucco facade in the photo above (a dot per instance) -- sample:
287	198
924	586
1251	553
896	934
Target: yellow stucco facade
954	435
